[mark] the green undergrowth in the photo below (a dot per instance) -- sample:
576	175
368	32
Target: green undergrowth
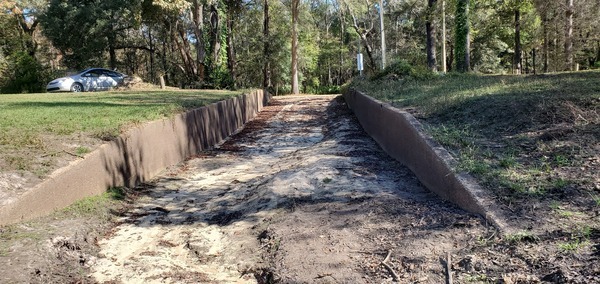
522	136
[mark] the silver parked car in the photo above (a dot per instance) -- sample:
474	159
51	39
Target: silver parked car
93	79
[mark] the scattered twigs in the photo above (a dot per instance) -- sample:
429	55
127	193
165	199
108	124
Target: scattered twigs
323	275
389	268
448	268
63	151
73	154
493	235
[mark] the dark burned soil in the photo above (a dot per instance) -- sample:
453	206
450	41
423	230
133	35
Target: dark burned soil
301	195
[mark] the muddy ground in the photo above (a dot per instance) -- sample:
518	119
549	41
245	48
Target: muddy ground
301	195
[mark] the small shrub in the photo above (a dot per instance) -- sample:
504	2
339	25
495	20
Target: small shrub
421	73
402	68
328	90
23	75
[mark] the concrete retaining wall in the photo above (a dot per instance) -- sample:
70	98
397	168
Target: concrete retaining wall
402	137
136	156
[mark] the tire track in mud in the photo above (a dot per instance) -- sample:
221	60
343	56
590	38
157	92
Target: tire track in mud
301	195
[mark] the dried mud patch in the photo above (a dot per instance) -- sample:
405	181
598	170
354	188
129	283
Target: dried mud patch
50	250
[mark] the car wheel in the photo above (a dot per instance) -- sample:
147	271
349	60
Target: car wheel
76	88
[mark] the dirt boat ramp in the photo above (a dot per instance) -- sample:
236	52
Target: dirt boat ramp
300	195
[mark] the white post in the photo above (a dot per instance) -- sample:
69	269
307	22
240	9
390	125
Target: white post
359	63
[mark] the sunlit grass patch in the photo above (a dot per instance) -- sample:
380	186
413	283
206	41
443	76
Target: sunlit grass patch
573	245
527	136
96	205
23	116
522	236
28	121
579	239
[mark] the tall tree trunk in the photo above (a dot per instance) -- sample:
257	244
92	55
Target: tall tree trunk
462	36
430	30
396	32
341	76
189	66
569	35
363	33
111	51
525	64
517	58
151	45
197	16
444	67
327	24
186	64
26	28
382	29
369	50
215	40
267	47
450	57
597	51
231	58
164	61
295	12
557	52
546	49
533	60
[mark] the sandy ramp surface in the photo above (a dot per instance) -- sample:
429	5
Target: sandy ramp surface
301	195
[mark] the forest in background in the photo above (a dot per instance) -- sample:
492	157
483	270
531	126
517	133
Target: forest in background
290	46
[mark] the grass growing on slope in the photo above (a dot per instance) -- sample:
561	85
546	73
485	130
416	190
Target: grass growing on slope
24	116
35	127
524	137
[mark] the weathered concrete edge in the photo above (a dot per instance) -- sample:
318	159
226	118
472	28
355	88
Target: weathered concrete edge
136	156
403	138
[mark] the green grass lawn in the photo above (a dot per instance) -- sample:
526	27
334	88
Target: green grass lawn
523	137
462	97
29	122
24	117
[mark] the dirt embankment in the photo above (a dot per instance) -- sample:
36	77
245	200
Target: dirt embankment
301	195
